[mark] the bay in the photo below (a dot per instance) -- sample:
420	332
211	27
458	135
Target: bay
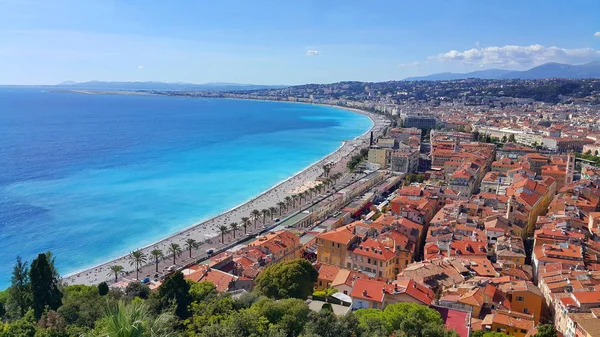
91	177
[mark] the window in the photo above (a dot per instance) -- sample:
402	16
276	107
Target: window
380	274
520	298
523	331
525	310
369	260
348	266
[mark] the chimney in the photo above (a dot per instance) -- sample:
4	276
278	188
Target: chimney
365	292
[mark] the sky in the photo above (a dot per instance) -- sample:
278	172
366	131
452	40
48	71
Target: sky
286	42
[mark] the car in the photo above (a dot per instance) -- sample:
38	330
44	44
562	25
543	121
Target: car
172	268
146	280
277	220
210	251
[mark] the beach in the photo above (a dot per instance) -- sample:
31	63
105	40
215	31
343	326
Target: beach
207	232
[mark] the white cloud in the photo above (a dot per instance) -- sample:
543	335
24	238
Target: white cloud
312	52
597	34
519	56
140	67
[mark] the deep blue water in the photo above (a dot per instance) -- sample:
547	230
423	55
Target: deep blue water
92	177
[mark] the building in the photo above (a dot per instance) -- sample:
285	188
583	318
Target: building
377	294
509	322
333	246
278	246
419	121
405	160
379	155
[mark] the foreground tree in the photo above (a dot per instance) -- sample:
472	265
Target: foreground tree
116	269
287	279
134	320
19	294
44	286
137	258
546	330
175	289
175	249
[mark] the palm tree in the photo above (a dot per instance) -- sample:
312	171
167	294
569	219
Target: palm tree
281	205
224	231
138	258
255	216
288	201
245	223
191	244
135	320
116	269
156	254
272	211
294	198
265	214
234	227
174	249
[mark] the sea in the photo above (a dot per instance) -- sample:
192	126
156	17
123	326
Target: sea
92	177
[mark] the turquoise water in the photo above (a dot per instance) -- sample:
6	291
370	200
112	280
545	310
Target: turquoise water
92	177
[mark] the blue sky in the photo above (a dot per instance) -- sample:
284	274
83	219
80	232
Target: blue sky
286	41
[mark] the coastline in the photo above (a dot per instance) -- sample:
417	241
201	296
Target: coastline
200	231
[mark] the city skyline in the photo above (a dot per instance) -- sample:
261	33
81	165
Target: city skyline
285	43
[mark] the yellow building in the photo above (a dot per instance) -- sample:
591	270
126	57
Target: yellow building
528	199
379	155
509	322
373	258
524	297
333	246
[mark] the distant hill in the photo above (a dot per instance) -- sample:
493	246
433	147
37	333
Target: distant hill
178	86
547	70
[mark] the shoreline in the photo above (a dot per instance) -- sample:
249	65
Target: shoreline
264	199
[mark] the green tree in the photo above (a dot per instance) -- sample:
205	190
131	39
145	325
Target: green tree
234	227
281	206
287	279
199	291
23	327
157	254
81	304
265	213
325	324
18	297
245	223
272	211
255	215
511	138
44	286
103	288
175	288
288	315
137	258
137	289
116	269
175	250
191	244
134	320
224	230
546	330
207	314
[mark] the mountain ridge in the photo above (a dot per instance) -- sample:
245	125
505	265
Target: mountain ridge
157	85
546	70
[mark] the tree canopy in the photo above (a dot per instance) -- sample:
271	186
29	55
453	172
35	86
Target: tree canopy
287	279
